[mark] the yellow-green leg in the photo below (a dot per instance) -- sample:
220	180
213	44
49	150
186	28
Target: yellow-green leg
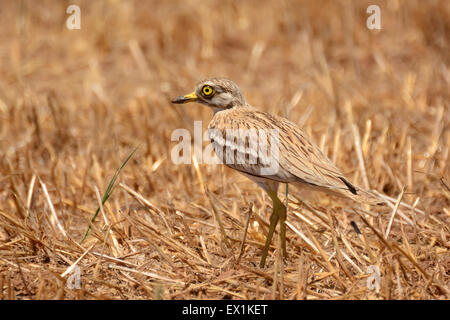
278	214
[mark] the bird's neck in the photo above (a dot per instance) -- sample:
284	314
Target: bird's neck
218	109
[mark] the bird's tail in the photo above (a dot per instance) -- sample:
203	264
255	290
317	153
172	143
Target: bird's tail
350	192
366	197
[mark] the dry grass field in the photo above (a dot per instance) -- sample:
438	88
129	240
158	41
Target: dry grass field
75	103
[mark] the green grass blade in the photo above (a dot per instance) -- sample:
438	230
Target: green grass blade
108	192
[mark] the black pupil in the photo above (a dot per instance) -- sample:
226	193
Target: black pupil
207	90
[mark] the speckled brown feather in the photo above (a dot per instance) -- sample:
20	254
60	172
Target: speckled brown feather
300	160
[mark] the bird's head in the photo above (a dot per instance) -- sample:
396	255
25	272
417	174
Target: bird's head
217	93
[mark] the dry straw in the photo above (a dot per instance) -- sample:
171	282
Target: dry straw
74	103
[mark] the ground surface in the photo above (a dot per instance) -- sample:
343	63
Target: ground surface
75	103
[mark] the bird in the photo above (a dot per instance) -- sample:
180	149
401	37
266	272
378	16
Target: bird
241	136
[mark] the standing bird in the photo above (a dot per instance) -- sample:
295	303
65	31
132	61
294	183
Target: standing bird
246	134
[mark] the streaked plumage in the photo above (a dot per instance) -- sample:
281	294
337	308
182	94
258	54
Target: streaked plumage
300	161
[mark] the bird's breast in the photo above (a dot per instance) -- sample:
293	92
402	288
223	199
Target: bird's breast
248	149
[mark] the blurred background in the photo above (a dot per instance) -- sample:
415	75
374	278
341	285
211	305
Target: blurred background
74	103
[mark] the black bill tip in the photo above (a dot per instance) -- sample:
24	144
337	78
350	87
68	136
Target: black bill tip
179	100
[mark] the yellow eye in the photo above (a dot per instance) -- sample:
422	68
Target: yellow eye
208	91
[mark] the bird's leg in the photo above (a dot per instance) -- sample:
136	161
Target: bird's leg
283	224
279	213
273	222
283	228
